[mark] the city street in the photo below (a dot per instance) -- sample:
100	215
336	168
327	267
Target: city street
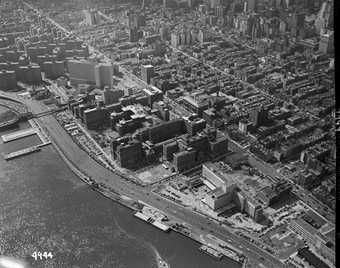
245	110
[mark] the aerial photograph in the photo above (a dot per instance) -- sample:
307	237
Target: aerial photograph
167	134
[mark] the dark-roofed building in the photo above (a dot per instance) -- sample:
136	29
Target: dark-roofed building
310	257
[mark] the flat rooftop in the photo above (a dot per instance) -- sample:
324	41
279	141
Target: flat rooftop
220	171
251	185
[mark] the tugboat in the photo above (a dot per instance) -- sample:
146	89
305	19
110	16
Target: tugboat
94	185
160	262
163	264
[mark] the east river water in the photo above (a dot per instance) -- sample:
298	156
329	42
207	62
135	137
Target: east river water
45	207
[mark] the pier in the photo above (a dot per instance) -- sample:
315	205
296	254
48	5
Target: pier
224	248
211	252
162	226
34	130
152	221
141	216
22	152
19	134
39	131
25	151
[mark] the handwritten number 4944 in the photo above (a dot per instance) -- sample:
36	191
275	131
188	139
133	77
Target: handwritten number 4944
42	255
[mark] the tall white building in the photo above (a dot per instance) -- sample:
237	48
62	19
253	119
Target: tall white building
92	73
324	16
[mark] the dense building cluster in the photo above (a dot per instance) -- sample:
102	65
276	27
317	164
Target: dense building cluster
181	85
249	193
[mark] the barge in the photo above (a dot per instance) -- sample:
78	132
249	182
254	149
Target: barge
211	252
156	223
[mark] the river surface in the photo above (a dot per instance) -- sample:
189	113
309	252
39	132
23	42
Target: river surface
45	207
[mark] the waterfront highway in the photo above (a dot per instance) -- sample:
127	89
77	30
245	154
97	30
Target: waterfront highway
91	168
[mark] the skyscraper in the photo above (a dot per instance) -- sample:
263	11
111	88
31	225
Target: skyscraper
147	72
251	5
91	17
326	44
214	3
133	35
164	32
192	3
258	116
219	11
103	75
168	3
175	39
324	17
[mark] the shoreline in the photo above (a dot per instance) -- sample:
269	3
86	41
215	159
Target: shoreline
129	195
118	198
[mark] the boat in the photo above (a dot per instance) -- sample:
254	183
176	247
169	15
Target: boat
163	264
94	185
211	252
228	252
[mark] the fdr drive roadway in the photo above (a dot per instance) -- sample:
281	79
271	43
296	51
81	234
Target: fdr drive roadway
88	166
257	257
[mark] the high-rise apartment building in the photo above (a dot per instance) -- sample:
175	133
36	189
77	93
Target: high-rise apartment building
258	116
147	72
103	73
326	44
87	72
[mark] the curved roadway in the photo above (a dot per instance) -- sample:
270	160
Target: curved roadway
91	168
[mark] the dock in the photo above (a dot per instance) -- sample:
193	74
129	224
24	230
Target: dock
223	244
34	130
231	254
39	131
19	134
162	226
142	216
156	223
224	248
211	252
25	151
22	152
